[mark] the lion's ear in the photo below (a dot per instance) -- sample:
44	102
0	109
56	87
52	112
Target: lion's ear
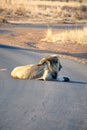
42	61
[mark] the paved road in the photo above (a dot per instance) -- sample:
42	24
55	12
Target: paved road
43	26
41	105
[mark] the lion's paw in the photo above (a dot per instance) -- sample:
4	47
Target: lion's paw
66	79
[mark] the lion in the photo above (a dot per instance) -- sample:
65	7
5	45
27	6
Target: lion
47	69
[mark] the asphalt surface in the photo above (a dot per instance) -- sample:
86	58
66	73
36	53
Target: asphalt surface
43	26
41	105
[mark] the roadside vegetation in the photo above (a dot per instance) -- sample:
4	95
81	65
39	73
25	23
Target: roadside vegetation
77	36
63	11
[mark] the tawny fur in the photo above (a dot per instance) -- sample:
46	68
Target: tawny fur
46	69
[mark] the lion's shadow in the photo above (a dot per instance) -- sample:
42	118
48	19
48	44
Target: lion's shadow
77	82
71	82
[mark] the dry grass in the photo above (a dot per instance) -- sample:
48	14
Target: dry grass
50	11
68	36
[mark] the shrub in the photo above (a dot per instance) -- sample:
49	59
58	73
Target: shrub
20	11
3	20
83	8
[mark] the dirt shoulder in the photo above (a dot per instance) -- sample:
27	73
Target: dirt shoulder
30	38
